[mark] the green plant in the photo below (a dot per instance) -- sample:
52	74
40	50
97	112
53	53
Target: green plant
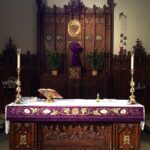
96	59
53	60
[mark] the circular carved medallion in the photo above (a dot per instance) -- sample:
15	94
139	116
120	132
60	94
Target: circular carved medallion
74	27
49	38
99	38
74	73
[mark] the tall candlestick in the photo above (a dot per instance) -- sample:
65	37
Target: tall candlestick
132	61
132	89
18	58
18	82
132	83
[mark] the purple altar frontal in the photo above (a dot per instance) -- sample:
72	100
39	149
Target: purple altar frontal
76	110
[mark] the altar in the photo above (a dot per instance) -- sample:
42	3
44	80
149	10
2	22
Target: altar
74	124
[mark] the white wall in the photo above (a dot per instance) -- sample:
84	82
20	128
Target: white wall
138	22
18	20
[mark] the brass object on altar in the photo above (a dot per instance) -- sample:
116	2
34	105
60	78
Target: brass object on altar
98	98
132	89
18	88
49	97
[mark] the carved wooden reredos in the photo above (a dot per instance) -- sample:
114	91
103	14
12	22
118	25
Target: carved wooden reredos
59	27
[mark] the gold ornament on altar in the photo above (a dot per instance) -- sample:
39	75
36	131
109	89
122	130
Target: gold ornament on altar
49	97
98	98
74	27
49	94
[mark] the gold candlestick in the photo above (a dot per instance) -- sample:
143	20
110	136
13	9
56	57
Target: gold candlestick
18	82
132	89
18	88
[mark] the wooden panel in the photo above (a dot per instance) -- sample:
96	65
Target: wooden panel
23	136
91	86
60	32
59	83
86	86
95	23
128	136
100	29
74	82
48	32
75	136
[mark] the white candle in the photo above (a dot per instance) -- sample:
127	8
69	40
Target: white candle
132	60
18	58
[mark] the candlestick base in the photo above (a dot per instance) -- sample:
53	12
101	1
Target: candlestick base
18	100
132	100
